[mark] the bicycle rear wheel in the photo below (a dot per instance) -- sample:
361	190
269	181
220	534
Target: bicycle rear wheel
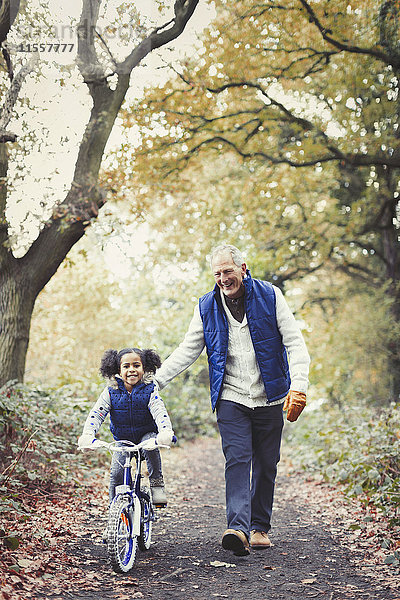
121	544
146	523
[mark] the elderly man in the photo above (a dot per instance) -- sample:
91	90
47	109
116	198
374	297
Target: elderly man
248	330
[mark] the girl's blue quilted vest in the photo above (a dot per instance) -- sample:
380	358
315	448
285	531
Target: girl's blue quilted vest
130	417
260	306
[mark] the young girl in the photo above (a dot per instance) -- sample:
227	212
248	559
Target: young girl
136	410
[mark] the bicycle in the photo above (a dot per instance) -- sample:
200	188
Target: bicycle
131	513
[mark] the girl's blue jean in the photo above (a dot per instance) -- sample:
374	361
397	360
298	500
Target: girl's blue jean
153	460
251	440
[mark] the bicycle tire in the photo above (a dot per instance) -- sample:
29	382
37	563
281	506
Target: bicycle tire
146	523
121	545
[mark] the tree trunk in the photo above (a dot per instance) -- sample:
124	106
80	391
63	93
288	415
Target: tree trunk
16	295
394	358
16	306
394	343
391	254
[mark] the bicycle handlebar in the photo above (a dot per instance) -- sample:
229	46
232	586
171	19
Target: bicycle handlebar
124	445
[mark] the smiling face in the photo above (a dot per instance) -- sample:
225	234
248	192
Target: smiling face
228	275
131	370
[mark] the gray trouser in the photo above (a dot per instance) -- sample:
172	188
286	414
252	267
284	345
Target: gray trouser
153	460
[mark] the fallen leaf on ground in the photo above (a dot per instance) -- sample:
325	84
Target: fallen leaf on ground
218	563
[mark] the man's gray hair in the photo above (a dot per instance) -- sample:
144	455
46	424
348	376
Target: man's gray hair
237	256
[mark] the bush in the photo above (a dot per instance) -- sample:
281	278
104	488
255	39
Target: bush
358	447
39	429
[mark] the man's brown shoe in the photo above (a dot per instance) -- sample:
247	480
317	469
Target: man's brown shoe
236	541
259	540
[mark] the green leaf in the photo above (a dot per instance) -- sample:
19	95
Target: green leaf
373	475
12	543
391	560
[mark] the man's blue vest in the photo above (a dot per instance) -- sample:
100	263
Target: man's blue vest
260	307
130	417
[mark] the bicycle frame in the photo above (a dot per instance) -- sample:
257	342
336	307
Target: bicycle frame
133	488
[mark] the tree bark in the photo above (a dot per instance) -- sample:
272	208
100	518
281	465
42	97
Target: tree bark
16	306
8	12
391	253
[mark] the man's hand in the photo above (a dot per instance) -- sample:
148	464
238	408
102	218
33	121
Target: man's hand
294	404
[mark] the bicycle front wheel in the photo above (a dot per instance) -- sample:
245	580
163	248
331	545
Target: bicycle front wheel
121	543
146	523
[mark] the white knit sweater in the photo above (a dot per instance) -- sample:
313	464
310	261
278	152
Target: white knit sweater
242	381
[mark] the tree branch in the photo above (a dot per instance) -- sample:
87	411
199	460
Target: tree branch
88	62
7	136
7	59
8	14
358	271
107	49
366	246
295	274
354	159
12	95
161	36
326	34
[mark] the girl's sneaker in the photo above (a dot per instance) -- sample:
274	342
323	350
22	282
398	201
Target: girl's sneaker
158	494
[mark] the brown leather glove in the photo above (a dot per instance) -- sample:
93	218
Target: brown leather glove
294	404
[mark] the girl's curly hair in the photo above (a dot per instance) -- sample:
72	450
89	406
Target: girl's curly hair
111	360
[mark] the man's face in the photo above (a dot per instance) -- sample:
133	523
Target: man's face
228	276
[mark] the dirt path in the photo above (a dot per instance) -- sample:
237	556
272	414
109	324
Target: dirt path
187	562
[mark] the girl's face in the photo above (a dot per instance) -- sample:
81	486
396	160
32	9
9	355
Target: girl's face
131	370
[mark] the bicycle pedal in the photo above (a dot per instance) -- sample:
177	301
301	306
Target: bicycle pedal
160	505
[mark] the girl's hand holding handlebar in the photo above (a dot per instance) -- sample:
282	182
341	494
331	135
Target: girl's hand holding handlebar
165	437
86	441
